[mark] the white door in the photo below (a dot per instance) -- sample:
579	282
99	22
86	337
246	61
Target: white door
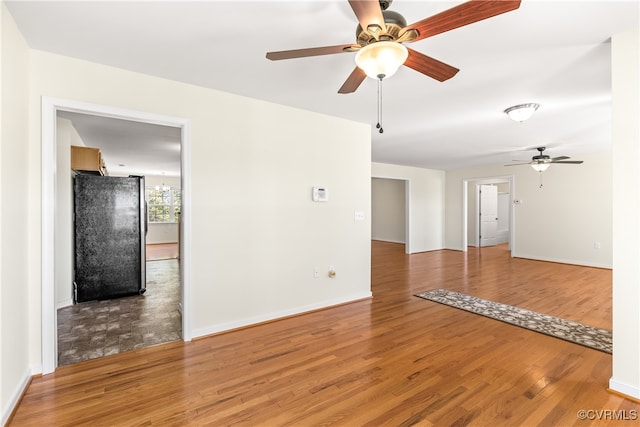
488	215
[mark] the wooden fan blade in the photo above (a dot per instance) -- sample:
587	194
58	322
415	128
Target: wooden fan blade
518	164
459	16
354	80
430	66
312	51
368	13
569	162
560	158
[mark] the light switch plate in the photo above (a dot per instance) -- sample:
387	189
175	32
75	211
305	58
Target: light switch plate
320	194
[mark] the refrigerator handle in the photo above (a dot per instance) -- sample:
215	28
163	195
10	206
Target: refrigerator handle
146	219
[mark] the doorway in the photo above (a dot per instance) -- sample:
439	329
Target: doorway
499	210
390	210
50	216
113	317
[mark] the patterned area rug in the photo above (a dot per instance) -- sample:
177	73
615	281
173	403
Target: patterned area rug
579	333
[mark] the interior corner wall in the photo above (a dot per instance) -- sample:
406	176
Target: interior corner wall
15	298
625	60
256	233
388	216
426	204
574	206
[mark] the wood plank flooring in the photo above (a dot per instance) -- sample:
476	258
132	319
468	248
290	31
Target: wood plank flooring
394	360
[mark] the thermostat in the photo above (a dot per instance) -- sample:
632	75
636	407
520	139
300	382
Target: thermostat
320	194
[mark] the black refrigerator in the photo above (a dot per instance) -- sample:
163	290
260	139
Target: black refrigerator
110	231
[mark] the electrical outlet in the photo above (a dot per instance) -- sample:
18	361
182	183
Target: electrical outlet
596	245
332	271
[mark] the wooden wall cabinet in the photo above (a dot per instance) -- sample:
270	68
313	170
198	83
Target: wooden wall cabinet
87	160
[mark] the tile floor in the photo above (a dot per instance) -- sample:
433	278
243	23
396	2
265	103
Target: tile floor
100	328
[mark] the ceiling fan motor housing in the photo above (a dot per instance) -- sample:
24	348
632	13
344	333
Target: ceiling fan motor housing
394	23
541	158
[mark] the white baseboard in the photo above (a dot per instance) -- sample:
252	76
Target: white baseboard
228	326
388	240
626	389
62	304
564	261
15	397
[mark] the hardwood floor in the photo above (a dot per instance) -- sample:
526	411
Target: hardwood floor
394	360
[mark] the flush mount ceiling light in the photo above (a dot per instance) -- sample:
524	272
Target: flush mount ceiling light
522	112
382	59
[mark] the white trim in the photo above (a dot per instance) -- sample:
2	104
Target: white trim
15	397
626	389
465	207
185	235
408	249
49	320
562	261
387	240
228	326
65	303
50	107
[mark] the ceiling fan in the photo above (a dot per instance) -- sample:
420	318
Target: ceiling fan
540	162
381	30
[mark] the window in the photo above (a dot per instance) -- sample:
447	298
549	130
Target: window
163	204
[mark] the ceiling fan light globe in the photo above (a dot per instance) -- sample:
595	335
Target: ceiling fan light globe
381	59
540	167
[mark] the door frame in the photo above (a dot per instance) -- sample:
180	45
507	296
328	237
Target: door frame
465	208
50	108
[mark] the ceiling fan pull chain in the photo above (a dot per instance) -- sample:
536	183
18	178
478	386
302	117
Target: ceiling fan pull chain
379	125
540	179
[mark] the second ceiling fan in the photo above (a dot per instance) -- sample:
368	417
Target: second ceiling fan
540	162
383	32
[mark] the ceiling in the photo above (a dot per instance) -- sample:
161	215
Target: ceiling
555	53
128	147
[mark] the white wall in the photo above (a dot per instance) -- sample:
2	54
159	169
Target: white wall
16	302
66	137
388	216
426	204
625	61
256	233
504	205
560	222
